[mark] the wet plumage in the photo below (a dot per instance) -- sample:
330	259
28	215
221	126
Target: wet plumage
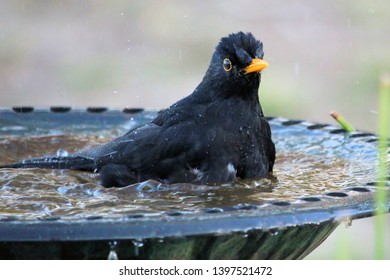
212	136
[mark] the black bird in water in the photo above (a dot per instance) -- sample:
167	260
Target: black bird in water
212	136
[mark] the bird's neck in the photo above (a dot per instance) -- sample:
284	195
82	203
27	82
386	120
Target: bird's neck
211	91
251	98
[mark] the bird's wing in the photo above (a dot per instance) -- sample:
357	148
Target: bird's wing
144	147
268	145
149	152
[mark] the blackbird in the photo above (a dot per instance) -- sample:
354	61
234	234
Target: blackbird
212	136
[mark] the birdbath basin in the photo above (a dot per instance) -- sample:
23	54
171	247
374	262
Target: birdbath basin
323	176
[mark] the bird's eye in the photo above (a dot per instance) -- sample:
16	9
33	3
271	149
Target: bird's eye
227	64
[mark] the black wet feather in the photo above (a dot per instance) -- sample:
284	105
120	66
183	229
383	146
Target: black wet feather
212	136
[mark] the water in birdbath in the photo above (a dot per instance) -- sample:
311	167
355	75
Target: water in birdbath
307	164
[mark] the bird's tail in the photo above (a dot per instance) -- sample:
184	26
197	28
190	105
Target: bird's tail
76	162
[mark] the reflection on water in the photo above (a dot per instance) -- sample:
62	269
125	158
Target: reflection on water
307	164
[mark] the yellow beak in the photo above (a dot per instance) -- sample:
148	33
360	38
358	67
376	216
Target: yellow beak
256	66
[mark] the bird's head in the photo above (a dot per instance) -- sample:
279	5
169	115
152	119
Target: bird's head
237	62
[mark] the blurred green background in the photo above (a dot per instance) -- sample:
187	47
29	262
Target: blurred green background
323	55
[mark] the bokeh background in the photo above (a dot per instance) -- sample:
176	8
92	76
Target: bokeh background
323	55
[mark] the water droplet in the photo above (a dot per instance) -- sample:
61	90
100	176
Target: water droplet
122	14
63	190
115	91
62	153
348	222
112	255
137	245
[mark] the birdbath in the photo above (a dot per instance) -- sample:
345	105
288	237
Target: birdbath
323	176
